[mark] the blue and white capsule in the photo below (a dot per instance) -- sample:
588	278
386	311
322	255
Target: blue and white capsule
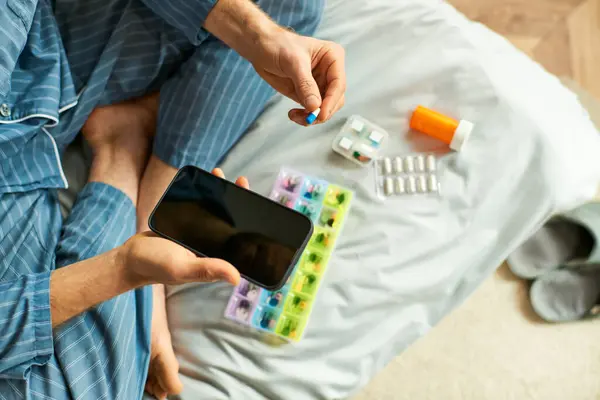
312	117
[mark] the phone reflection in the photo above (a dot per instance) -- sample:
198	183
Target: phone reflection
219	220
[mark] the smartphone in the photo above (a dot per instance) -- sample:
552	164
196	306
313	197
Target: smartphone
215	218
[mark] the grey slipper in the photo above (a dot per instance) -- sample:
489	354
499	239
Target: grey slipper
566	295
565	240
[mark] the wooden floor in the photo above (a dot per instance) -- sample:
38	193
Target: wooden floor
562	35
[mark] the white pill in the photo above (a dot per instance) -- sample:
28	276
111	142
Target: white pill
431	163
357	125
345	143
420	161
422	184
388	186
433	183
412	185
399	185
387	166
376	137
409	163
398	165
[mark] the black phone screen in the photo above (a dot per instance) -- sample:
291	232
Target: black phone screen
216	218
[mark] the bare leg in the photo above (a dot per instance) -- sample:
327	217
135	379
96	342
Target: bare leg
119	136
156	178
163	376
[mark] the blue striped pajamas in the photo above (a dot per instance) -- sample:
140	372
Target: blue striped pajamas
58	61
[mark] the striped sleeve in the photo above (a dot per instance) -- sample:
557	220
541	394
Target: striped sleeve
15	20
188	16
25	325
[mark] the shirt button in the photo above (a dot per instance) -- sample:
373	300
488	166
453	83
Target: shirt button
4	110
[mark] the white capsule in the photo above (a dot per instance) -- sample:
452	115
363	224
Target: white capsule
409	164
420	161
431	163
388	186
363	153
399	185
422	184
432	183
387	166
398	165
412	185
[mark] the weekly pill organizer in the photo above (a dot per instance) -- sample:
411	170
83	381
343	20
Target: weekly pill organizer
360	140
285	312
407	174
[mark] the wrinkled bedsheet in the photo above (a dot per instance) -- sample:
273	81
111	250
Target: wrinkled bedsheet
402	264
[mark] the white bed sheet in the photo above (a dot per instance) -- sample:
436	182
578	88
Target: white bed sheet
403	264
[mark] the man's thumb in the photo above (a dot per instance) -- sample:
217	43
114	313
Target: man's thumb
214	269
307	89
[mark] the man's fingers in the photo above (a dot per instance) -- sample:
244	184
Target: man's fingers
160	394
339	105
307	89
154	389
331	74
298	116
149	388
218	172
243	182
335	91
335	74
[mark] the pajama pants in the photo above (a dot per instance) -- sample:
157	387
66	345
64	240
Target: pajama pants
209	97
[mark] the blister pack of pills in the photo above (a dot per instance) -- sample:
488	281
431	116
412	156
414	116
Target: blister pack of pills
285	312
360	140
408	174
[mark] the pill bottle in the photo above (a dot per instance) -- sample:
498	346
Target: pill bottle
448	130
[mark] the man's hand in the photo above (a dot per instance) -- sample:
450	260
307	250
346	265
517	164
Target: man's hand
309	71
151	259
144	259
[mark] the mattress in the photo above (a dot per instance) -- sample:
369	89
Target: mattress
403	263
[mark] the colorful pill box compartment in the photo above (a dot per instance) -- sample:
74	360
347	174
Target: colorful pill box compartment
285	312
360	140
407	174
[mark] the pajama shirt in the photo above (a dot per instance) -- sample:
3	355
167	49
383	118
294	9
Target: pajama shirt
58	61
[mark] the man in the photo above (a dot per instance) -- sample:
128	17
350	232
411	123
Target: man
75	305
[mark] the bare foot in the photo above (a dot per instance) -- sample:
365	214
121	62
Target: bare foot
163	371
119	136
